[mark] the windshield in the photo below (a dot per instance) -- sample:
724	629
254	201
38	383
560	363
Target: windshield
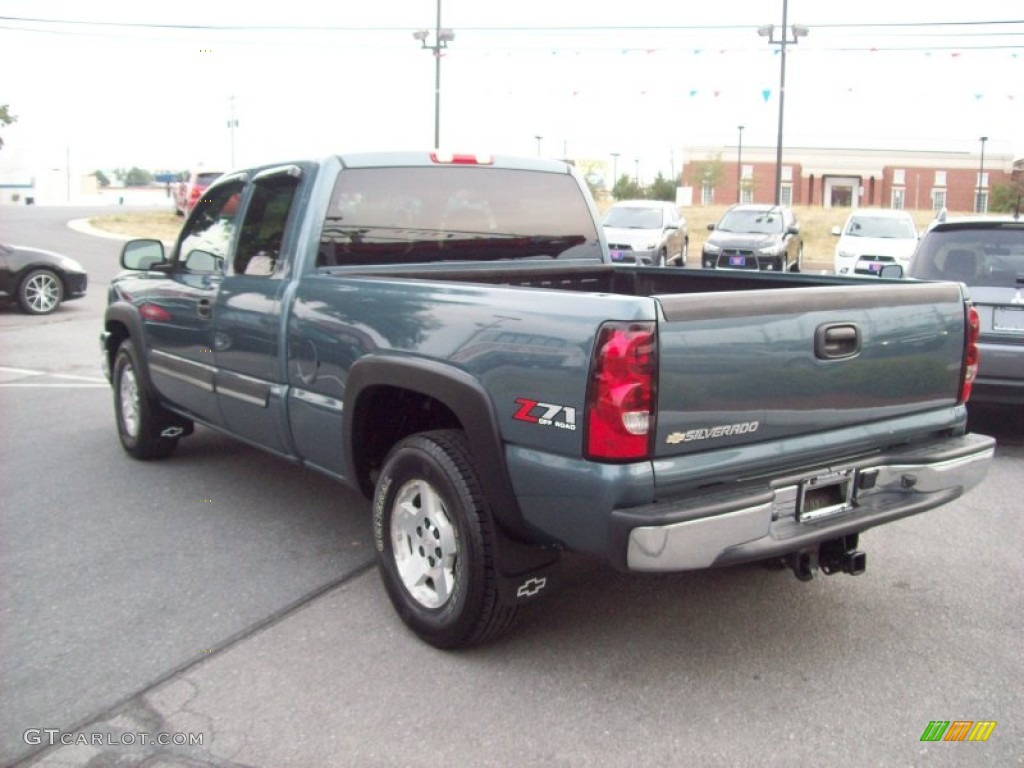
990	256
458	213
881	226
632	217
754	222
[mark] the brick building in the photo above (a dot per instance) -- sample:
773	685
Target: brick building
847	177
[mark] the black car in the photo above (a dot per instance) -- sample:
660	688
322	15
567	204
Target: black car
39	280
755	237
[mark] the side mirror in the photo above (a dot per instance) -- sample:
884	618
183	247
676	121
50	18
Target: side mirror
793	230
203	261
836	231
142	255
711	227
894	271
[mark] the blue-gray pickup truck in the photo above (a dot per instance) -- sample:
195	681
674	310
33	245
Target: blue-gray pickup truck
447	335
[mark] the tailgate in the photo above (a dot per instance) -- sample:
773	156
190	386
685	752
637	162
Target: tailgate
754	366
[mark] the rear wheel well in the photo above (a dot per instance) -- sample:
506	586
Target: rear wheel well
384	415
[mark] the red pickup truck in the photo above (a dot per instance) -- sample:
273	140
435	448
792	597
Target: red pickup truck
191	187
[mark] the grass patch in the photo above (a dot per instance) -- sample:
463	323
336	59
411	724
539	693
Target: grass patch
162	225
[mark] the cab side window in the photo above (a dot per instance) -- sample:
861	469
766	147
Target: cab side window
208	233
261	239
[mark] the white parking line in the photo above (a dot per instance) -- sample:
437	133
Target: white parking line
71	379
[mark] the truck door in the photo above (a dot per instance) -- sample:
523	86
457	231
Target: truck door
179	313
247	326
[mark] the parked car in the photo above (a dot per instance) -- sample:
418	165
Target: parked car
646	232
188	191
755	237
39	280
986	254
873	238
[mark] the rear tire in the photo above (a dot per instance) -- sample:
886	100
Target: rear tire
140	421
435	542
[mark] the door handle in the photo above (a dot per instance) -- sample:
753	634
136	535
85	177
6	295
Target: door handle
834	342
204	308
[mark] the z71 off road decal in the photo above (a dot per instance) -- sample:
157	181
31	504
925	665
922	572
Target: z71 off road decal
711	433
545	414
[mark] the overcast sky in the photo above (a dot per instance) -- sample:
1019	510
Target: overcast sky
643	78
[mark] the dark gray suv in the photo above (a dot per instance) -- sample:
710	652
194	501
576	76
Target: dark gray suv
987	255
755	237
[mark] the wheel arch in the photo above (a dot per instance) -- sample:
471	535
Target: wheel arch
122	322
417	395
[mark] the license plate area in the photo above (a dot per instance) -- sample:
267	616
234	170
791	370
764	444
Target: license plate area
825	496
1008	319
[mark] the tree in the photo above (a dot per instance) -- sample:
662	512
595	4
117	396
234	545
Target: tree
707	173
6	118
627	189
662	189
1007	197
137	177
101	178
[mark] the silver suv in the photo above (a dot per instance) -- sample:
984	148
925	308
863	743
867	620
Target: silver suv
646	232
987	255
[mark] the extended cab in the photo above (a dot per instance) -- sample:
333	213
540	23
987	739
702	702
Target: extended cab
447	335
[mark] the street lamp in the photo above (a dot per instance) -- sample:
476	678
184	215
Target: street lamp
441	39
739	165
978	208
232	124
636	176
769	32
539	139
615	167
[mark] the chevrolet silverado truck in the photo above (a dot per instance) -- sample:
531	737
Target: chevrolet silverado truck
447	334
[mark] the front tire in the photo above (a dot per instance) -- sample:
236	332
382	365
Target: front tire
140	421
435	542
40	292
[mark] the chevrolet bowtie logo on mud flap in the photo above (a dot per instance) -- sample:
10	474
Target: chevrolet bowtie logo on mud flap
531	586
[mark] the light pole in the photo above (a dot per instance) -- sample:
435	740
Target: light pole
539	140
978	208
739	165
769	32
441	39
232	124
636	176
615	168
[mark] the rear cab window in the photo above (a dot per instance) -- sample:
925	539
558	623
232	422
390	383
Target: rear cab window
459	213
978	255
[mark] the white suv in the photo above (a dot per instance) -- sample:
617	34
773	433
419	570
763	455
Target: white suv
873	238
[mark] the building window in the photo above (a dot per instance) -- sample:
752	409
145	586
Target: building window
982	202
786	193
940	178
938	199
787	173
898	195
981	180
746	195
707	194
748	172
899	176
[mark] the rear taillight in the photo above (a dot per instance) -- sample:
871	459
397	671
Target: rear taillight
621	397
971	354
